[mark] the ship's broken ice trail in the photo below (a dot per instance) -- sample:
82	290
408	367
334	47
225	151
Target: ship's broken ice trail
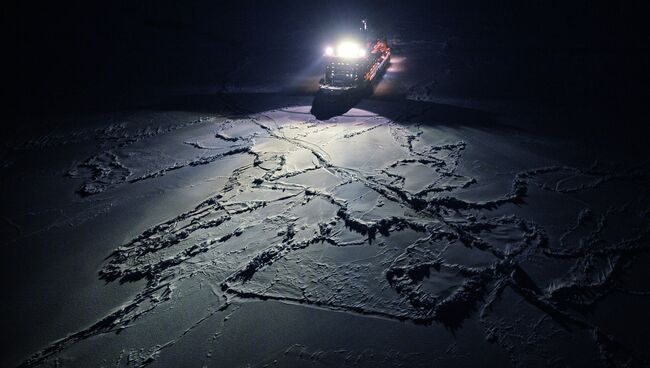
367	216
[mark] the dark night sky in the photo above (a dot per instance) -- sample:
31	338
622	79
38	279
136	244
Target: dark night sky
64	55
